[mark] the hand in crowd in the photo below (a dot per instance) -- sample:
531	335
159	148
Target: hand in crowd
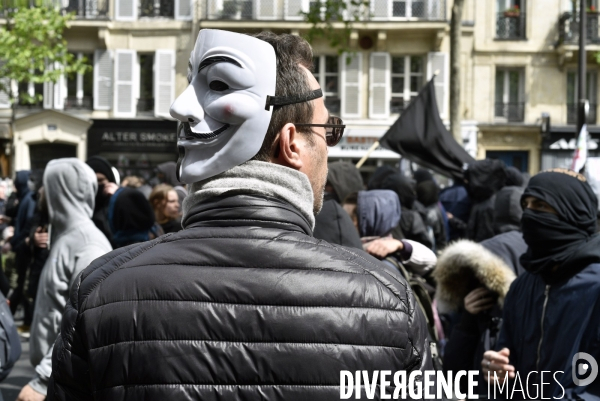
6	248
40	238
497	362
479	300
382	247
110	188
29	394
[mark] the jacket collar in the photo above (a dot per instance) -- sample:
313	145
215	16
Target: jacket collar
236	210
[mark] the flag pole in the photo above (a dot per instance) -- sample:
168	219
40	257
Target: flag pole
366	156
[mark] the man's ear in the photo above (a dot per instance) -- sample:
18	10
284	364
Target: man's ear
288	148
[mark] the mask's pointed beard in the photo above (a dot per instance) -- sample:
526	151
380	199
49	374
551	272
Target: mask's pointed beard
187	133
181	150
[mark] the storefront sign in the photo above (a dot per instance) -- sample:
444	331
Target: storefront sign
132	136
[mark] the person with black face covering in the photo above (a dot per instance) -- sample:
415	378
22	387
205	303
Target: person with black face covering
552	311
107	186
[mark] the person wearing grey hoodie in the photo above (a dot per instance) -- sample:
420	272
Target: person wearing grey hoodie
75	242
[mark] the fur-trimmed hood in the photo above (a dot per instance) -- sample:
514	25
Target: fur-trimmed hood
463	263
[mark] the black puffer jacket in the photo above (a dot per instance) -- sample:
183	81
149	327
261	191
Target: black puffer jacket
243	304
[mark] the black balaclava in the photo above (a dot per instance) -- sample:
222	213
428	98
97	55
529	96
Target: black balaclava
100	165
345	179
485	178
560	245
403	187
428	193
379	176
422	175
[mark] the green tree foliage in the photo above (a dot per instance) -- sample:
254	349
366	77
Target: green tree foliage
333	20
33	49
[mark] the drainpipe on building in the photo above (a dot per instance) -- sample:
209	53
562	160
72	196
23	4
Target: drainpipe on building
582	109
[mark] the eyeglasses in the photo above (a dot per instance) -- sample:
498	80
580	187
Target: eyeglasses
334	129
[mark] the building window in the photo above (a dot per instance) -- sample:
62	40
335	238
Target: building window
145	103
407	80
80	87
573	96
408	8
509	103
510	20
28	94
327	72
157	8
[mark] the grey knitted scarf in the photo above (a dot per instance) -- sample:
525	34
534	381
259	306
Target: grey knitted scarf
257	178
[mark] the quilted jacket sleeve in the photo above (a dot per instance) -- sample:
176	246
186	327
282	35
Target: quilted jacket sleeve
70	374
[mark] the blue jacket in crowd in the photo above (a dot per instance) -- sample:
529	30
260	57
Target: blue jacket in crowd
569	324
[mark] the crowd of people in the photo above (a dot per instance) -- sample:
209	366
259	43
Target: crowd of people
273	271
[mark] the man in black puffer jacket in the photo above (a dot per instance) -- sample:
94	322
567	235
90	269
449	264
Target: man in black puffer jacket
243	304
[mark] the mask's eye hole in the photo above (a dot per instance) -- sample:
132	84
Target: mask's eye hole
218	86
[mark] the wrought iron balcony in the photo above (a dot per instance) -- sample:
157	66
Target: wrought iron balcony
568	28
572	113
381	10
512	112
83	9
510	25
157	8
79	103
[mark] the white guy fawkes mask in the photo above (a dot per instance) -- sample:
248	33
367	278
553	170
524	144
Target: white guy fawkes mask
222	111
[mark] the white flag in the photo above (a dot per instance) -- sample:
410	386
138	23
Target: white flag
580	155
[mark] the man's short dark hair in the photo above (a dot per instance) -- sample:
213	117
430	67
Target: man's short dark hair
291	51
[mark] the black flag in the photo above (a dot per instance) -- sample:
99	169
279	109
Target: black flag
420	135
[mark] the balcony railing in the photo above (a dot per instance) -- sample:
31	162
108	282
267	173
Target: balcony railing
79	103
145	105
157	8
572	113
510	26
512	112
428	10
568	28
84	9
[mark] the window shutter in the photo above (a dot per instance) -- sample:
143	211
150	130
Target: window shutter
164	82
381	9
48	91
266	9
293	8
379	85
183	10
4	98
126	10
5	87
351	82
438	61
60	90
124	100
103	78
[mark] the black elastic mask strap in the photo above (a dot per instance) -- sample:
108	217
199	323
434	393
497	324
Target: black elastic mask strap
285	100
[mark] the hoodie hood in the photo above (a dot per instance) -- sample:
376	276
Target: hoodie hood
100	165
169	170
21	183
345	179
485	178
462	267
378	212
70	188
507	209
37	178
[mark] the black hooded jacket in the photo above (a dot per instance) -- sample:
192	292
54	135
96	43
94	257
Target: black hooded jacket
485	178
243	304
411	225
335	226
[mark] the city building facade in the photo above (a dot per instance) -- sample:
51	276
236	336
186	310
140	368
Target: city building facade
518	64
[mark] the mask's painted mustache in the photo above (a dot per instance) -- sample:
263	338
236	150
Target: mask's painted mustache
185	132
